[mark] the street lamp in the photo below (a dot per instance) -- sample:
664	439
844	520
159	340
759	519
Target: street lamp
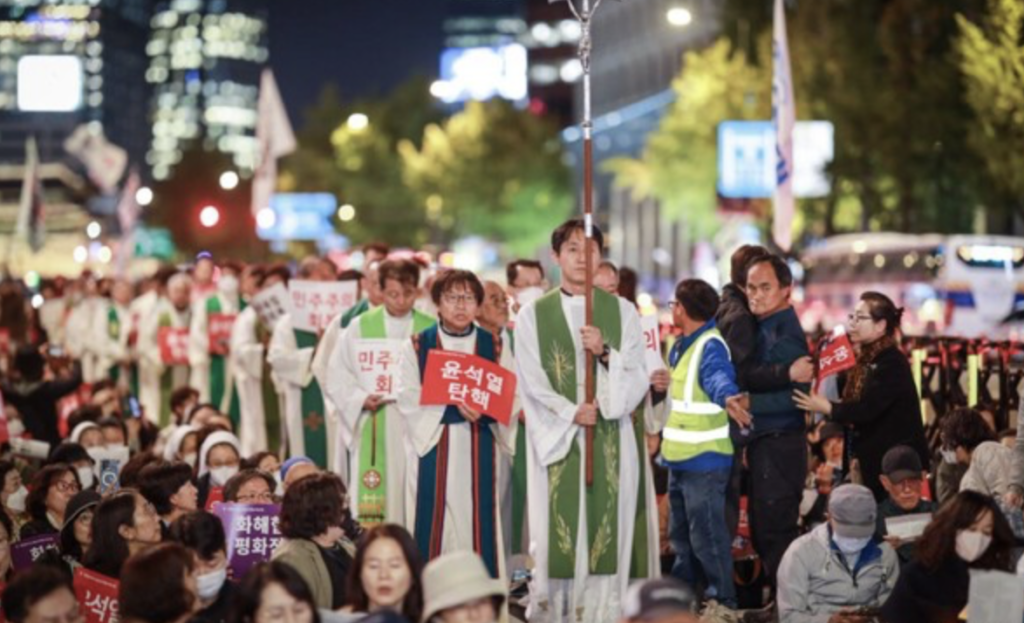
229	180
358	121
144	196
679	17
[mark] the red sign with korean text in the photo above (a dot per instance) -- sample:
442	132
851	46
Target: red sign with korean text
835	356
218	330
97	596
173	346
457	378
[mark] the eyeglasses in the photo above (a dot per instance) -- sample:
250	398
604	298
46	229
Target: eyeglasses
65	486
459	299
855	318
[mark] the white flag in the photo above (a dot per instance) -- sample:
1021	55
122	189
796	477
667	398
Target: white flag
104	161
31	223
274	138
784	119
128	209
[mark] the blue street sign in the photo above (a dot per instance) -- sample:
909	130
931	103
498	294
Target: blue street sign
746	160
297	216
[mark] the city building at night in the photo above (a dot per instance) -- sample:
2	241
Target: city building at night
205	58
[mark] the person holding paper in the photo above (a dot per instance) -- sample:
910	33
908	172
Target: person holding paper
209	351
169	319
291	357
259	395
110	332
840	572
903	477
969	532
360	382
581	536
453	501
695	443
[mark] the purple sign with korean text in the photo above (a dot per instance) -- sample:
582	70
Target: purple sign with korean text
27	551
252	534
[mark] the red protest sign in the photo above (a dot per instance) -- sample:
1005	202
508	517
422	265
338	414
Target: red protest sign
835	355
173	346
97	596
218	330
457	378
215	497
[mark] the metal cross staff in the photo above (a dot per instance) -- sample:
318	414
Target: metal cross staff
585	14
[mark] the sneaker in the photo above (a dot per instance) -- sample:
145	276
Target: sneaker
715	612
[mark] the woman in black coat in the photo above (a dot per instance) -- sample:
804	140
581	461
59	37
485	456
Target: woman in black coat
879	402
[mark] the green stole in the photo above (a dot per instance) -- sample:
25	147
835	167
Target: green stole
218	371
271	404
373	476
518	476
558	358
167	379
311	409
354	312
114	333
638	564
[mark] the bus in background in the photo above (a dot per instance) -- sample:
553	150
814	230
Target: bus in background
957	285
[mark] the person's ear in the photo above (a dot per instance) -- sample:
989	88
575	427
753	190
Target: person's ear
127	533
886	483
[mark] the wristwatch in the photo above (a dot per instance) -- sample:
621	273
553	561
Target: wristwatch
605	354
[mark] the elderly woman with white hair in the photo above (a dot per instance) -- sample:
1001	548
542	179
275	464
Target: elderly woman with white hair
163	348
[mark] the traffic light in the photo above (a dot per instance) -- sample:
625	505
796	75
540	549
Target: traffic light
209	216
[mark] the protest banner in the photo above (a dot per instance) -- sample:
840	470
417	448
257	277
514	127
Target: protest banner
252	534
27	551
458	378
378	366
312	304
173	346
653	357
97	596
270	304
218	331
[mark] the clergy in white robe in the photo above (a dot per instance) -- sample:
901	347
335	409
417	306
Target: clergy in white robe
111	329
210	362
454	500
170	312
248	356
581	538
337	458
149	376
371	433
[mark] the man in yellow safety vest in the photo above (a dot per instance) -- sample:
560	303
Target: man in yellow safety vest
695	444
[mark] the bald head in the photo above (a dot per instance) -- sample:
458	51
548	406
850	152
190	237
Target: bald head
493	314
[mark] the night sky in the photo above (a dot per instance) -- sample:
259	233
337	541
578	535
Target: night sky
364	47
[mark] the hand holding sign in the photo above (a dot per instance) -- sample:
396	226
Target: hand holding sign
482	386
652	344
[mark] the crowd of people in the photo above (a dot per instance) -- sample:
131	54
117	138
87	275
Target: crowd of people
129	463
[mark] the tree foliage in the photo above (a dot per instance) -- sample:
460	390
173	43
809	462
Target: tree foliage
991	57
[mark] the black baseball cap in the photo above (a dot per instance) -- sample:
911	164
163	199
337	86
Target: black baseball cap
657	598
901	463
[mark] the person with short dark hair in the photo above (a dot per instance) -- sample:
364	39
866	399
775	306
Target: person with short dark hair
775	445
879	399
386	574
49	493
606	277
695	444
525	282
453	512
171	490
36	398
314	514
123	525
368	418
158	586
972	442
969	532
41	594
182	401
250	486
203	534
130	472
272	591
552	342
115	432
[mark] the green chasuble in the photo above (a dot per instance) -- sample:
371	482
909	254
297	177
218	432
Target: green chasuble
219	371
638	564
558	357
167	379
271	402
372	478
312	410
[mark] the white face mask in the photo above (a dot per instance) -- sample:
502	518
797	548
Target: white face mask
971	545
189	459
948	456
528	295
849	545
219	476
85	476
279	489
228	284
16	500
15	428
209	584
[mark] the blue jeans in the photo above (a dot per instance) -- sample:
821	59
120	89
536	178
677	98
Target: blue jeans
698	532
